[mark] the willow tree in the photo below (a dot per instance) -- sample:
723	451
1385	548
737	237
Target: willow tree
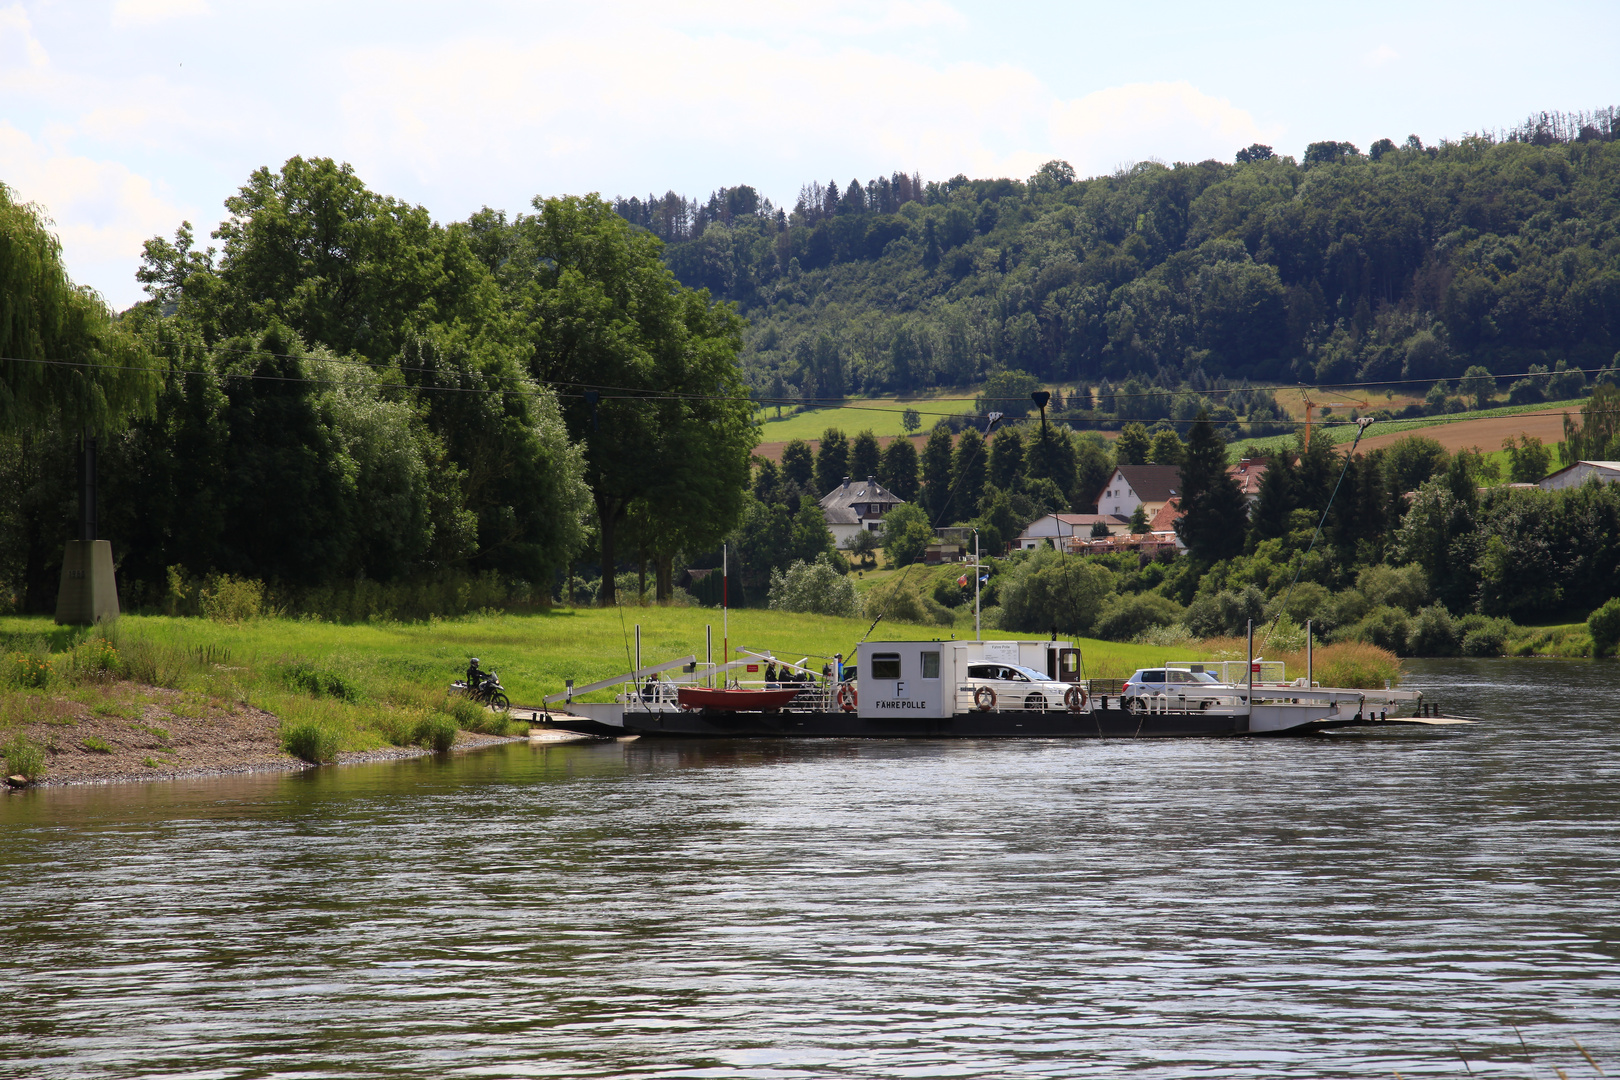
63	361
66	370
647	374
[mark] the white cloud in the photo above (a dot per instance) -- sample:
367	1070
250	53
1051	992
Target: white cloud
827	17
583	112
1133	122
102	210
20	50
141	12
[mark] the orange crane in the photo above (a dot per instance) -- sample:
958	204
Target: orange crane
1312	406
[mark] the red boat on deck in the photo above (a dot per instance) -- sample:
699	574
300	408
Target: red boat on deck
734	699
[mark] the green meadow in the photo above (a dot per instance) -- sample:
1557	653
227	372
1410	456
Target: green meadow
374	684
881	415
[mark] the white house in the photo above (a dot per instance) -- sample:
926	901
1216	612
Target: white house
1147	486
1054	528
853	507
1577	474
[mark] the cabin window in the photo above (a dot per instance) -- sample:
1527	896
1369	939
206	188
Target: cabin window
1153	676
930	661
886	666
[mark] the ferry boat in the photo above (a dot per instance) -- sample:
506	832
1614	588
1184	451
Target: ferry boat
972	689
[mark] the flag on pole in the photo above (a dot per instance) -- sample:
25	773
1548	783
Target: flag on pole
962	581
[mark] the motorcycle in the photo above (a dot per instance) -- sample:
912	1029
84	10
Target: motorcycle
489	691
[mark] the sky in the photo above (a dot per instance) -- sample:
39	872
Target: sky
123	118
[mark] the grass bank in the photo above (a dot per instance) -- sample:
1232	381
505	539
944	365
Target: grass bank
319	689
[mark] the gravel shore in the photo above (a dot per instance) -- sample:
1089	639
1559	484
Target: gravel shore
132	733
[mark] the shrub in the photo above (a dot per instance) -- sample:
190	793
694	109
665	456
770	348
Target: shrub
1227	612
815	587
1356	666
96	744
1385	627
437	731
899	603
93	658
1604	625
1433	632
311	741
469	715
1404	587
224	598
1128	617
466	712
1050	590
1281	635
24	758
1172	636
319	681
1485	641
1308	601
947	593
906	535
31	671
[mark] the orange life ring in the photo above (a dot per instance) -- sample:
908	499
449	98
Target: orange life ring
1075	698
985	698
846	697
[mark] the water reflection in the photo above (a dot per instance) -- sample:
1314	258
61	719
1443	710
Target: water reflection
1340	906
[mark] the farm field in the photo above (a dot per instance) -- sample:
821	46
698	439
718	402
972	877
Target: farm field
882	415
1483	429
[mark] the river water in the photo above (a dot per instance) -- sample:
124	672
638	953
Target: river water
1346	905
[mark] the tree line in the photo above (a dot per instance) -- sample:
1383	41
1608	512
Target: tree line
1404	262
344	389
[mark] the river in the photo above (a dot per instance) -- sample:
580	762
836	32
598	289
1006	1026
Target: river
1344	905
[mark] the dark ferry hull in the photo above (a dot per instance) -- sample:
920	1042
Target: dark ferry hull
1099	723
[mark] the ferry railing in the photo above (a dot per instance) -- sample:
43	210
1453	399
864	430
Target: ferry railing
1231	672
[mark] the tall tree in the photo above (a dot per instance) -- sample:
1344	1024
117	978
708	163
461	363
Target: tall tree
897	470
62	359
936	471
969	465
798	463
1133	445
1052	457
832	460
1277	498
864	453
1006	458
677	427
1167	448
342	266
1213	510
66	369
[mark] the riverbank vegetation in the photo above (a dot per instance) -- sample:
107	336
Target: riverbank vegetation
324	688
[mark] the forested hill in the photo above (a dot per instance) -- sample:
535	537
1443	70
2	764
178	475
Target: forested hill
1405	261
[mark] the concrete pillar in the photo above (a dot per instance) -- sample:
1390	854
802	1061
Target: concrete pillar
88	594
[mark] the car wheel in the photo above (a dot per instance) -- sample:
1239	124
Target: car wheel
1035	703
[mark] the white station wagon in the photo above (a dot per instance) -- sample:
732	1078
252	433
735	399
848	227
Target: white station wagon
1149	681
1013	687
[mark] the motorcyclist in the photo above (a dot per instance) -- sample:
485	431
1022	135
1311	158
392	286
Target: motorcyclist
475	677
